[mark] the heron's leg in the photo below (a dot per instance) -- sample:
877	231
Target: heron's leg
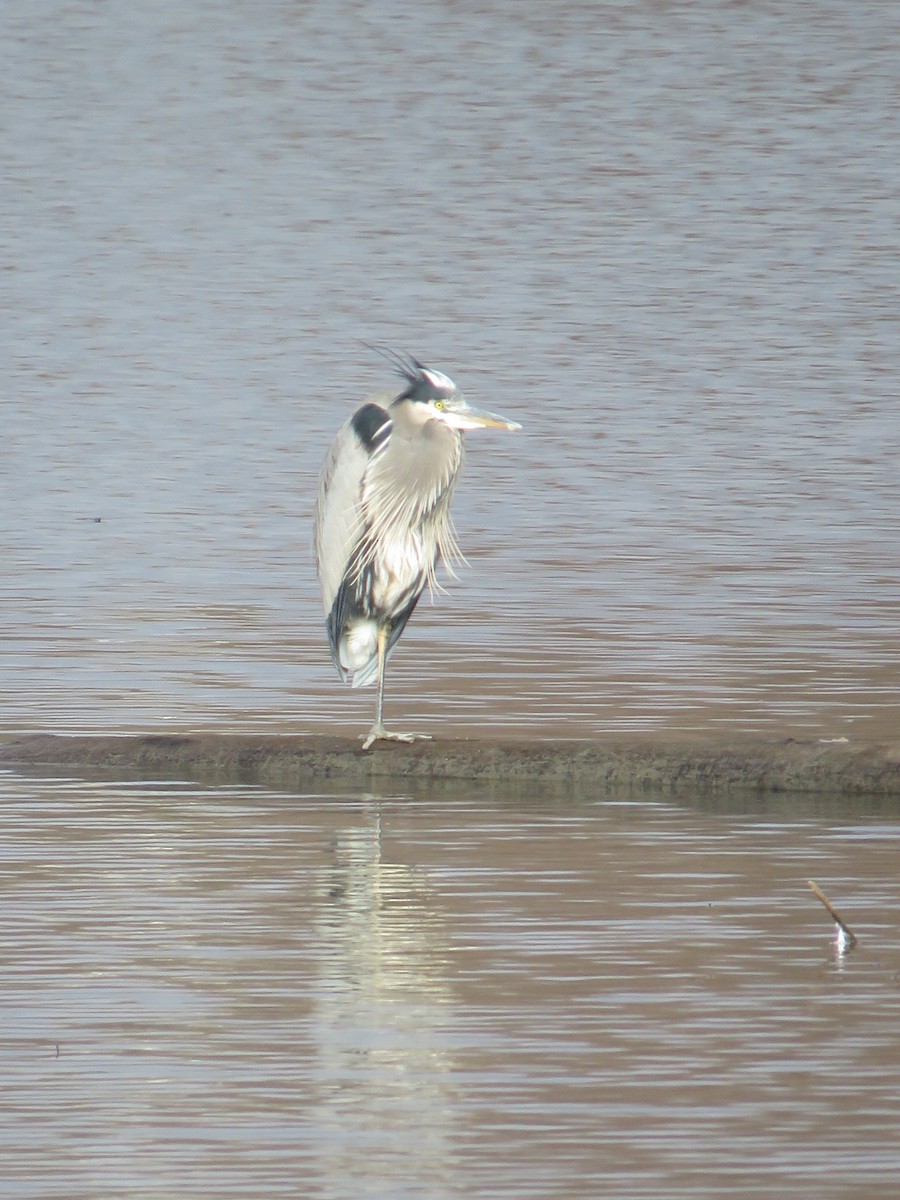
379	703
378	733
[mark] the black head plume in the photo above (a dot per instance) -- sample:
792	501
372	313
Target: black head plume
423	382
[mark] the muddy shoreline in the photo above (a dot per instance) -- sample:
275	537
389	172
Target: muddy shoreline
638	766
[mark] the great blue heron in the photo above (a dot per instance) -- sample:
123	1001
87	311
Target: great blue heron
383	519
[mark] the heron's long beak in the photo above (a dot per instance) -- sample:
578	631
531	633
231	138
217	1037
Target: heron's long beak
463	416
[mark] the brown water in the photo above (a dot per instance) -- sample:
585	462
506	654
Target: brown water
235	992
665	237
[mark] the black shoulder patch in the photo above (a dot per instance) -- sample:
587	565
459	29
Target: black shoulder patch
371	424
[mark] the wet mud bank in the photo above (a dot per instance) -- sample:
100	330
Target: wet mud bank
635	767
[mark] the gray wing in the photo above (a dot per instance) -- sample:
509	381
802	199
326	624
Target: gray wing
340	520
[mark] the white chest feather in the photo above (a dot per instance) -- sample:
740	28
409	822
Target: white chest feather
406	505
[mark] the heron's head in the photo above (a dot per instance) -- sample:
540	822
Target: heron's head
431	395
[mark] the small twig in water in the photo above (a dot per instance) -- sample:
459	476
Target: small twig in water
835	916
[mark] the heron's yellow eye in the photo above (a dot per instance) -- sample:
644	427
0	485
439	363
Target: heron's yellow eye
439	404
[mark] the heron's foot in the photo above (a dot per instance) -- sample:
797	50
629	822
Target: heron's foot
378	733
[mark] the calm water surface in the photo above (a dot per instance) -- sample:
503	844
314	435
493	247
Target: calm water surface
234	992
664	237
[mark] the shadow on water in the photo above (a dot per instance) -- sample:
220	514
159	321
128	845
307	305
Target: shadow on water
431	992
